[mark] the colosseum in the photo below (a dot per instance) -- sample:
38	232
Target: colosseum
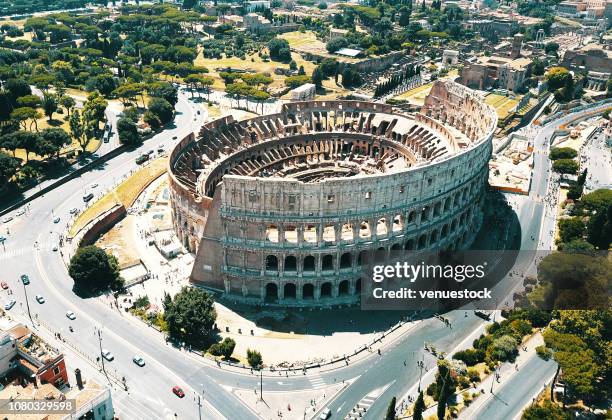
287	208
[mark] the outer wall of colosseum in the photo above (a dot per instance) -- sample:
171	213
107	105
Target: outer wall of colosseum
280	240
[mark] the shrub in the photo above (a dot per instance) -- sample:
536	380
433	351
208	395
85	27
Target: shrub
254	358
470	357
562	153
543	352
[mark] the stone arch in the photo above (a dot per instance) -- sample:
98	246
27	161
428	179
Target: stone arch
362	258
380	255
272	263
425	214
272	233
396	247
343	288
412	216
433	238
309	263
327	262
358	286
290	263
345	260
422	242
289	291
381	227
271	292
326	289
308	291
398	223
409	245
365	230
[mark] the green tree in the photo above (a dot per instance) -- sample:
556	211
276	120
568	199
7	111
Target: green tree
227	347
562	153
31	101
546	411
81	128
254	358
68	103
93	270
162	109
571	229
504	348
419	407
8	168
57	137
279	50
565	166
27	140
191	316
25	114
295	81
49	105
391	410
128	132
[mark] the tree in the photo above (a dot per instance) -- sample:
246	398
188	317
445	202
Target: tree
599	227
350	77
27	140
49	105
227	347
279	50
551	48
419	407
317	77
254	358
68	103
391	410
335	44
547	411
57	137
162	109
164	90
562	153
17	88
504	348
93	270
24	114
94	109
8	168
81	128
571	229
404	18
128	132
565	166
191	316
31	101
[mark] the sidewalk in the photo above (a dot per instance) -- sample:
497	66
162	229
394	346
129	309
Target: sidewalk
505	372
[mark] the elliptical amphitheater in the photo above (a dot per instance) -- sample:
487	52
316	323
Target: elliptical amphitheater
287	208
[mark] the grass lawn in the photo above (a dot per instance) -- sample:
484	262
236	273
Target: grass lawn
299	39
125	194
416	95
502	104
252	62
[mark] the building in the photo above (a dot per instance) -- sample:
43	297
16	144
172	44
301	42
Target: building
450	58
288	208
570	8
257	24
256	5
303	93
337	33
496	72
31	368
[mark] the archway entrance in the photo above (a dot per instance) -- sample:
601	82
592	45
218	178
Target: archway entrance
308	291
271	292
289	291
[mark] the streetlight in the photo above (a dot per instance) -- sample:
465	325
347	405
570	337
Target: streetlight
25	291
199	406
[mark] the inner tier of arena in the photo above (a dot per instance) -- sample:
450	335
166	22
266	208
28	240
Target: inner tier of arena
288	208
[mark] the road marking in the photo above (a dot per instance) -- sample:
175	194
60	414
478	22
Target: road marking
316	381
366	402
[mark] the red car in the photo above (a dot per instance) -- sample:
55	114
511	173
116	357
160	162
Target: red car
4	285
178	391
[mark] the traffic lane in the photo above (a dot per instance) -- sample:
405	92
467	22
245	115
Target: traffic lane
510	400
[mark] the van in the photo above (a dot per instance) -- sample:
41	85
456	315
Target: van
142	159
87	197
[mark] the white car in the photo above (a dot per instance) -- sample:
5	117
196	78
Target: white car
138	360
325	414
94	185
9	304
40	299
7	219
54	248
70	315
56	220
73	210
108	355
20	212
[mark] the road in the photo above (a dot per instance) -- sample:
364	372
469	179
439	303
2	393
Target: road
596	156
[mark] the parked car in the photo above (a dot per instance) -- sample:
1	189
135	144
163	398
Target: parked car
56	220
25	279
73	210
108	355
177	390
87	197
138	360
40	299
70	315
9	304
7	219
4	285
142	159
20	212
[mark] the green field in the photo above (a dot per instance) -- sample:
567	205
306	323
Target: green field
502	104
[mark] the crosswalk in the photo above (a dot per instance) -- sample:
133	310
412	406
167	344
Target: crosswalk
316	381
9	253
362	407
